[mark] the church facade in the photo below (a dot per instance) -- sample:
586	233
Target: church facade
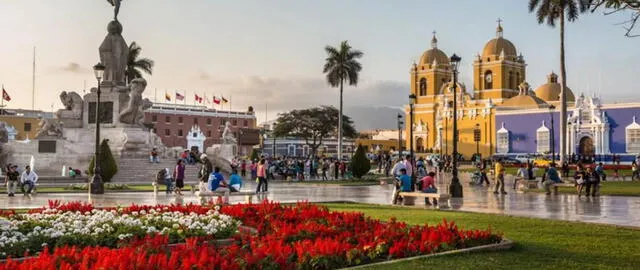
501	114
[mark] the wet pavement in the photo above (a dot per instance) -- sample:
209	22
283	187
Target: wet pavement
616	210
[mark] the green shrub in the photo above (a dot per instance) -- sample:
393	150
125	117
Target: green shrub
107	162
360	164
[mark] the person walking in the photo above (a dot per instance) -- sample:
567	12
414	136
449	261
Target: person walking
203	174
28	178
483	173
168	180
178	175
325	167
580	177
262	180
243	168
634	170
12	178
593	182
499	178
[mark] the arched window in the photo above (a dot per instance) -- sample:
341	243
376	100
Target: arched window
423	86
488	80
512	81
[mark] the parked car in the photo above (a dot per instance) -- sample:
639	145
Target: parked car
542	162
523	158
510	161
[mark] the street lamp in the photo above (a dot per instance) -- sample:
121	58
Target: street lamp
455	189
97	186
412	102
440	135
476	138
400	134
553	139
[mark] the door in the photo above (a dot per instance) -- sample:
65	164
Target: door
586	147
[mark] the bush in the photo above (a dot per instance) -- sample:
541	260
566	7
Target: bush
360	164
107	162
255	154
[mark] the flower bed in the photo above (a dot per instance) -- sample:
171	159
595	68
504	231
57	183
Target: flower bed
301	236
81	225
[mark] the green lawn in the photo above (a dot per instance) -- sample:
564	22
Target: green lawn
606	188
540	244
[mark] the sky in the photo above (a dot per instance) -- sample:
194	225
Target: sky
269	54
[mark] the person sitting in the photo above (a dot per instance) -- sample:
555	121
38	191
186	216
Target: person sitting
235	181
429	186
72	173
217	184
552	178
28	178
521	175
153	156
403	184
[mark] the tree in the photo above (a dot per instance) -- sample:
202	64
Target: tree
342	66
313	125
616	6
360	164
135	64
552	11
107	162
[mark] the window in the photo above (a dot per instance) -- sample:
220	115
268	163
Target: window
512	82
633	137
167	132
167	119
180	132
154	118
246	123
180	119
195	121
423	87
488	80
208	121
502	139
543	139
209	133
234	122
27	127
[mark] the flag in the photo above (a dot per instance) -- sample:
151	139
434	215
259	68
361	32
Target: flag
198	98
5	95
167	97
179	96
224	100
216	100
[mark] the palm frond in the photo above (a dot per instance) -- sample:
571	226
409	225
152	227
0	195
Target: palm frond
135	64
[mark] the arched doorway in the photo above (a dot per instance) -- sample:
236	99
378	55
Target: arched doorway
586	147
420	145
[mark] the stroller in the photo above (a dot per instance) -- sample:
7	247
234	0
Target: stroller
476	178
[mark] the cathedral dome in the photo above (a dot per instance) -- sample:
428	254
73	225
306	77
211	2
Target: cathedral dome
434	53
524	100
496	46
550	91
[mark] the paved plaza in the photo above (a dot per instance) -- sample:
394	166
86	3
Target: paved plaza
616	210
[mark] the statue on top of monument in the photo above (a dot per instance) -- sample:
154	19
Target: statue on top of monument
227	135
116	10
73	106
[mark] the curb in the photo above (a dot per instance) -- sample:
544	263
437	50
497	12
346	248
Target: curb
505	244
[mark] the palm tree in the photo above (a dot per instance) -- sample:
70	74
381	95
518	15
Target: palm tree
342	65
551	12
135	64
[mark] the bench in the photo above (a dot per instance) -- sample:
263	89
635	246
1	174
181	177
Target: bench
443	199
564	185
223	194
531	184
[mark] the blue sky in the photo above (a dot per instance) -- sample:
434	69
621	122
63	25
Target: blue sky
259	52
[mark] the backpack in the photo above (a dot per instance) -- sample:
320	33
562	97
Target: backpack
160	175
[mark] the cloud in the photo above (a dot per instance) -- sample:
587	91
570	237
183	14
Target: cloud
73	67
285	93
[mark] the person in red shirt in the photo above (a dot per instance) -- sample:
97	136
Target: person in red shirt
429	186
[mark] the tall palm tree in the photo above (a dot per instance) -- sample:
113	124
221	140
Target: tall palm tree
135	65
552	12
342	66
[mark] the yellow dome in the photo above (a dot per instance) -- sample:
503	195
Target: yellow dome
496	46
434	54
550	91
524	100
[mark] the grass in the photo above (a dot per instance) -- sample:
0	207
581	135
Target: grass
540	243
606	188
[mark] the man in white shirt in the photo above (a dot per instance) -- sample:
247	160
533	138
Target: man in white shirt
397	167
28	178
521	175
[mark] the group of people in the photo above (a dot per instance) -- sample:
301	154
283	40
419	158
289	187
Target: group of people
425	171
294	168
26	180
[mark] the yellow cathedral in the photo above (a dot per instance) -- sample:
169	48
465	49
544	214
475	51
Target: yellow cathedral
498	73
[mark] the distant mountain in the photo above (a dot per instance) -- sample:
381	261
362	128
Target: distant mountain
370	117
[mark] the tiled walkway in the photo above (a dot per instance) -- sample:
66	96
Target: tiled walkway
606	209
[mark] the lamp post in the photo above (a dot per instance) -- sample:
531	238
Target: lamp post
412	102
440	135
455	189
553	139
476	138
97	186
400	134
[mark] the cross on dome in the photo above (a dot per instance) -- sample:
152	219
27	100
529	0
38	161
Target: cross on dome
499	29
434	40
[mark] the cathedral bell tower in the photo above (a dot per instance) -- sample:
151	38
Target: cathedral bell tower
430	73
499	70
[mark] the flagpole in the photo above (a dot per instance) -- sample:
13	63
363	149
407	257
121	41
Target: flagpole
2	105
155	95
185	97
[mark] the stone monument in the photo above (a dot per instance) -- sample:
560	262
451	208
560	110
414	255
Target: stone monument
69	139
221	155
